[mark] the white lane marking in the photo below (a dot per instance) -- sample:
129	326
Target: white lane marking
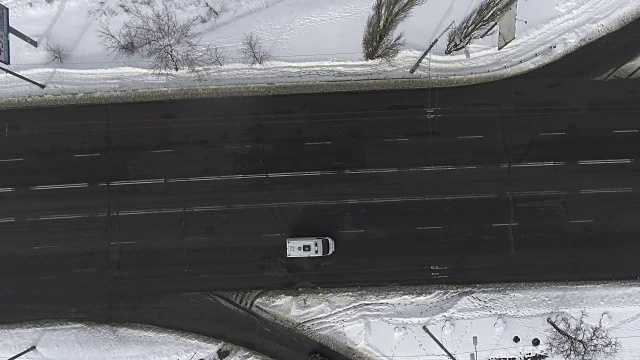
422	168
7	190
266	205
271	235
428	227
161	151
317	173
580	221
132	182
122	242
610	190
534	164
308	173
351	231
605	161
47	277
45	247
338	202
626	131
7	220
471	137
261	176
399	139
214	178
238	147
318	143
61	186
539	193
507	224
551	133
63	216
10	160
86	155
149	211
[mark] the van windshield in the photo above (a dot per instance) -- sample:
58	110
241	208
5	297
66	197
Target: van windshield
325	247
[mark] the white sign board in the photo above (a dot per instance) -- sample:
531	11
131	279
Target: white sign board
4	35
507	26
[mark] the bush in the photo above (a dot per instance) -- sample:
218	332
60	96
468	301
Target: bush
158	35
253	51
57	53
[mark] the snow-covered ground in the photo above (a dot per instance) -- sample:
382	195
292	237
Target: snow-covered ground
309	40
86	341
387	323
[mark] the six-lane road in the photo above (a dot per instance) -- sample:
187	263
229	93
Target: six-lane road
516	180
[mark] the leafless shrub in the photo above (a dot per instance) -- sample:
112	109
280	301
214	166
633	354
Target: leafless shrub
574	339
158	35
378	41
57	53
474	25
253	50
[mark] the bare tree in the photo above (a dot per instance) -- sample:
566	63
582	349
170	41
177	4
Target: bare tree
253	50
57	53
574	339
157	34
378	41
474	25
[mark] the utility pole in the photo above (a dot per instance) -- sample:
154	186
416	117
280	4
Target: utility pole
424	327
424	54
41	86
22	353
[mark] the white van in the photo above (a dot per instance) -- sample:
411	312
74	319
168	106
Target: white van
310	246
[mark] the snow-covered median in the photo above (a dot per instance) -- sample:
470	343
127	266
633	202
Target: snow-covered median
308	40
387	323
75	341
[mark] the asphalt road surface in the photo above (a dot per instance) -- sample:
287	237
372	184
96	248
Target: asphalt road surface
519	180
105	208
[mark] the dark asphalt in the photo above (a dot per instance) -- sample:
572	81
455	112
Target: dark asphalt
110	213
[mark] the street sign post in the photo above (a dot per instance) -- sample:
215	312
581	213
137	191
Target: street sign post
4	35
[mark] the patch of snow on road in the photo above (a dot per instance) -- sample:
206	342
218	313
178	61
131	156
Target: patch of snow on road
309	41
379	323
85	341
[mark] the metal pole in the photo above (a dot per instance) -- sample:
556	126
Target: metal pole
424	54
23	78
23	37
475	345
22	353
424	327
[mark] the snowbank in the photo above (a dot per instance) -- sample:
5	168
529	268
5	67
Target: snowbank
387	323
309	40
86	341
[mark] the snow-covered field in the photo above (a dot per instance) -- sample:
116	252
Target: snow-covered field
309	41
85	341
387	323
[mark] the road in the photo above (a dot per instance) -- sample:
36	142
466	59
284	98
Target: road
147	199
105	208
